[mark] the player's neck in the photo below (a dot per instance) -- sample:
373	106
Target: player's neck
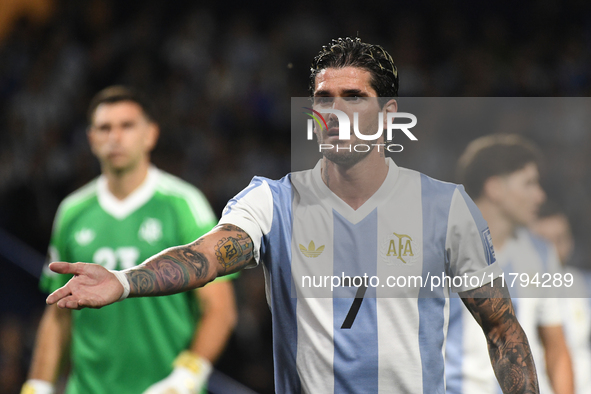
501	228
122	183
356	184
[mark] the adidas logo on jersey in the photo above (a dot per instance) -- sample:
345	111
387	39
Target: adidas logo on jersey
311	251
84	236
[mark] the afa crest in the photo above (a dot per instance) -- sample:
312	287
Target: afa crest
399	249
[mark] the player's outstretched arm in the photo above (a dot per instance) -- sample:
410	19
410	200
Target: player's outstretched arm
224	250
508	347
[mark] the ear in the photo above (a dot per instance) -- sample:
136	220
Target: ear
153	134
90	136
390	106
494	188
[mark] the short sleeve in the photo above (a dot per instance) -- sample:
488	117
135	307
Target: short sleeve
469	244
549	311
252	211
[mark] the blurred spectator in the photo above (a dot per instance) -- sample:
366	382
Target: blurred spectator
553	225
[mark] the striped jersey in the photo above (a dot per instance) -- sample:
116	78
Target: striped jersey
390	339
468	367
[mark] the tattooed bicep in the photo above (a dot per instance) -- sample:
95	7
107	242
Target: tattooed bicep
234	249
230	227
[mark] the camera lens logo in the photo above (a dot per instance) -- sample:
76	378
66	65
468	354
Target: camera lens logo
317	116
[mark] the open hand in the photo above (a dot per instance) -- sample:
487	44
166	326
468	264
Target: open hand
92	286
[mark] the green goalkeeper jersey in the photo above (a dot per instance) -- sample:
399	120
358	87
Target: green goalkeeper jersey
126	347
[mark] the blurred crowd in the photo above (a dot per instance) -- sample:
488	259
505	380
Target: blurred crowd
221	77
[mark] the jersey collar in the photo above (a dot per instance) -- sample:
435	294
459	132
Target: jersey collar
342	207
120	209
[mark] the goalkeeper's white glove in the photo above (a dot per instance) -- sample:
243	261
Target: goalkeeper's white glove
36	386
189	375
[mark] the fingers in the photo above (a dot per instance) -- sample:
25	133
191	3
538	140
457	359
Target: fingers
85	290
71	302
66	300
57	295
67	268
68	303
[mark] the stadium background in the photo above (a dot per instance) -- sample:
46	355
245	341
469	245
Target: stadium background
221	76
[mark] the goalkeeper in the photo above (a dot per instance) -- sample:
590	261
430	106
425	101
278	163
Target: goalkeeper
133	210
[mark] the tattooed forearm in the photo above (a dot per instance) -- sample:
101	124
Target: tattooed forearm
141	281
170	272
235	250
189	266
197	261
508	347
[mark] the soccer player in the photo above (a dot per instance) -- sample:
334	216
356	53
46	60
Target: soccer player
353	214
130	212
500	172
553	225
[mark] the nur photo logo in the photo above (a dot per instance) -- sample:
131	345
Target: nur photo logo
344	125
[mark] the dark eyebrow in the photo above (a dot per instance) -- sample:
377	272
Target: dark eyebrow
102	125
344	93
354	92
323	93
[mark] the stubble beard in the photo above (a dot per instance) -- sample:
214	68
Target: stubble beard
345	158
